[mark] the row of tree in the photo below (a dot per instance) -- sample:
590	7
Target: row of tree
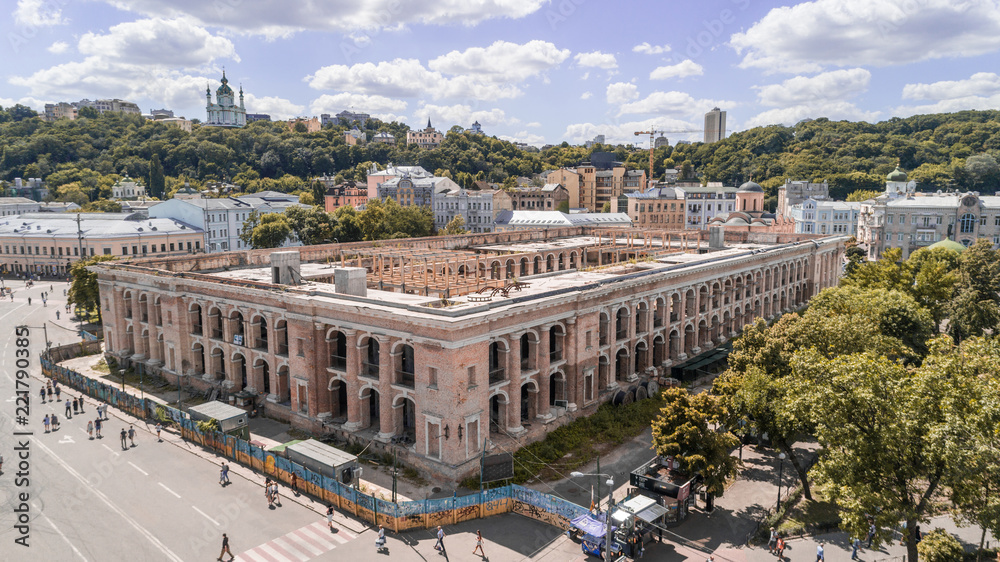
83	157
903	412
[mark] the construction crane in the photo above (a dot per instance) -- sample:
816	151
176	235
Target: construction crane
652	138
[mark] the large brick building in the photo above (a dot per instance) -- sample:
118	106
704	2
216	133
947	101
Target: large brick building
446	341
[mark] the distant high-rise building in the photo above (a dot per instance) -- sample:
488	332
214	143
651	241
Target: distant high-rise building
715	125
660	141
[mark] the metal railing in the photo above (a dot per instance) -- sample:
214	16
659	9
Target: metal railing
369	370
338	362
498	375
405	378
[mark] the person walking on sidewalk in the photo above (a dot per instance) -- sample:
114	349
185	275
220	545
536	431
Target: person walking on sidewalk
781	548
159	428
55	422
773	541
274	492
90	430
124	442
41	392
329	517
97	426
222	476
68	414
45	421
80	400
820	557
479	544
380	541
855	544
871	534
58	391
225	473
439	545
76	406
131	434
295	483
225	548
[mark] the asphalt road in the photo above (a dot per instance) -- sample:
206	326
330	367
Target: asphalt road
87	499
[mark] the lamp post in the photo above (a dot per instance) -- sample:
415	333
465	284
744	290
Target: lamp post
781	466
607	514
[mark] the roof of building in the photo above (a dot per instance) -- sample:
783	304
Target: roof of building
418	181
896	175
542	219
16	201
103	225
750	187
709	189
58	206
253	201
948	244
657	193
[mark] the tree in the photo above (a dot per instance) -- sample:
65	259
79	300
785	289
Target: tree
88	112
888	435
607	207
455	226
306	198
311	225
269	230
563	207
83	291
684	431
976	304
157	182
983	171
940	546
102	206
862	195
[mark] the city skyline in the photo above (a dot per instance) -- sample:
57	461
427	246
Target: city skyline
528	70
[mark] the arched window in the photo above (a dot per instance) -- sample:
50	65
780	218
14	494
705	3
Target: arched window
968	223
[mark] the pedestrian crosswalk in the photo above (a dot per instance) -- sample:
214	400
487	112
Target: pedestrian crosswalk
299	545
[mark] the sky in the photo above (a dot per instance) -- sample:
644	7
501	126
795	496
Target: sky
535	71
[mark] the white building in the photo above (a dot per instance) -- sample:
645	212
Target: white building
222	219
128	188
703	203
478	208
225	112
529	220
901	218
797	191
715	125
110	106
17	205
817	216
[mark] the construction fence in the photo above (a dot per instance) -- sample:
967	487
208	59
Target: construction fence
399	516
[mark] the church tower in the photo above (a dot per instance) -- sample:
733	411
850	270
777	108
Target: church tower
224	112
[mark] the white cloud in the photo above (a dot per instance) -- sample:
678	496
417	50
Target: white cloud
586	95
836	85
979	84
949	105
525	137
673	103
596	59
58	48
682	69
34	103
621	92
647	49
502	61
371	104
835	111
623	132
463	115
38	13
276	19
479	73
277	108
157	41
533	124
813	35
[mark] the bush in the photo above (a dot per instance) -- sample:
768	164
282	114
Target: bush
940	546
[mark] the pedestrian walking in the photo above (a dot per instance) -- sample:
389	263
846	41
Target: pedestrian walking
131	435
274	493
1	464
820	557
97	426
58	391
773	541
222	475
439	545
41	393
68	414
225	472
295	483
90	430
225	548
855	544
55	422
479	544
80	400
124	443
329	517
380	541
45	421
267	491
781	548
48	389
159	428
76	405
871	534
29	301
57	315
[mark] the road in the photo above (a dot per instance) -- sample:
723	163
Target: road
90	499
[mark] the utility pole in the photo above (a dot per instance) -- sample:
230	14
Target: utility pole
79	234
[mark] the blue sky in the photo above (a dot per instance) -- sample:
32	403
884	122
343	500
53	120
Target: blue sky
539	71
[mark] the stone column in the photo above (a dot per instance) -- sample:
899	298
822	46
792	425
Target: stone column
514	388
320	398
387	427
543	373
571	369
352	387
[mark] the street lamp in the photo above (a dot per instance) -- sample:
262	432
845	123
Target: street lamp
781	466
607	514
